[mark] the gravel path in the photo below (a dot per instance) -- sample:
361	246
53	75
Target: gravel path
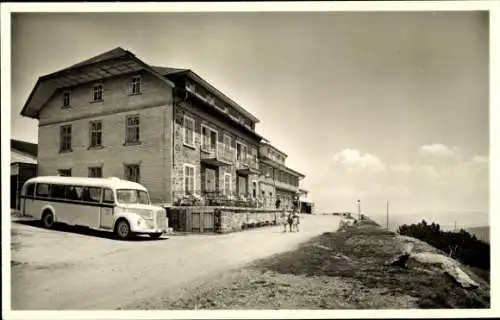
74	269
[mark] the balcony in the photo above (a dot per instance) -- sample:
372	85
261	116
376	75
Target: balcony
246	165
220	155
285	186
220	198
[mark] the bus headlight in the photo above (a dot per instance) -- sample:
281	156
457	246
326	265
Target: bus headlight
140	222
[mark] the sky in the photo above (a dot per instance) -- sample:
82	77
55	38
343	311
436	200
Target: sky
371	106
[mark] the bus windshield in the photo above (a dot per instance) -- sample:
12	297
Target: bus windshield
131	196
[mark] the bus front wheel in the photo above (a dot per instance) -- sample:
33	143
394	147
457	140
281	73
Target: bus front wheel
48	219
122	229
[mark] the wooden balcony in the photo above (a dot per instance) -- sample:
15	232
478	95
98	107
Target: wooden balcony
216	156
286	186
246	165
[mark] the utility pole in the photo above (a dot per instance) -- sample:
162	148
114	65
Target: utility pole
387	215
455	225
359	209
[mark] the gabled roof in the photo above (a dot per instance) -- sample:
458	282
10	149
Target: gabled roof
169	71
191	74
110	63
267	143
283	167
166	71
24	147
111	54
113	62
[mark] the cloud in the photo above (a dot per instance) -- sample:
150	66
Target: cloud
441	180
480	159
401	168
352	157
438	150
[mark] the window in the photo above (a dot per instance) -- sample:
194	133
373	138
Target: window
42	190
188	131
91	194
227	142
209	138
74	193
227	184
136	85
65	138
132	196
95	172
205	138
30	189
254	189
132	172
108	196
254	154
132	134
190	86
58	191
95	134
210	99
241	151
64	172
97	93
66	99
189	180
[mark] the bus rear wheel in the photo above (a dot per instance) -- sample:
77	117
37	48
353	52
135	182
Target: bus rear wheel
122	230
48	219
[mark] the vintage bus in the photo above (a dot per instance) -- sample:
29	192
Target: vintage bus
110	204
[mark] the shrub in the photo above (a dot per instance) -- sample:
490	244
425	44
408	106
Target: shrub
459	245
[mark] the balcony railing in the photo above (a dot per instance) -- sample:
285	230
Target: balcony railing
247	162
218	155
286	186
279	184
223	198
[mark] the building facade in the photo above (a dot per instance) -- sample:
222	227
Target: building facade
276	180
23	166
168	129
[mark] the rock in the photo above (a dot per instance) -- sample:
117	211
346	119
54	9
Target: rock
317	245
398	261
401	259
449	266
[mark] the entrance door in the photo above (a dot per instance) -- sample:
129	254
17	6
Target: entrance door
106	220
208	222
242	185
13	192
210	177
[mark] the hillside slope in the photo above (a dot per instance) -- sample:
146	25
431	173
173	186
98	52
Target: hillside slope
340	270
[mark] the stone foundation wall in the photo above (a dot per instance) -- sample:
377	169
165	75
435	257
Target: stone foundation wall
237	219
221	219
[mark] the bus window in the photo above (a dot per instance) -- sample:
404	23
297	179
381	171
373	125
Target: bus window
42	190
91	194
74	193
30	190
58	191
108	196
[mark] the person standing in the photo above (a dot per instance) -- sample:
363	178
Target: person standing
296	210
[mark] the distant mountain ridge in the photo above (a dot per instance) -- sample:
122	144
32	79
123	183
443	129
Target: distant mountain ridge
446	220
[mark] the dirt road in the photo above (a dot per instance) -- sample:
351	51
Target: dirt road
69	269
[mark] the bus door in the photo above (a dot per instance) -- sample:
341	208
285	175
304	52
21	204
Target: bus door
28	201
106	215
